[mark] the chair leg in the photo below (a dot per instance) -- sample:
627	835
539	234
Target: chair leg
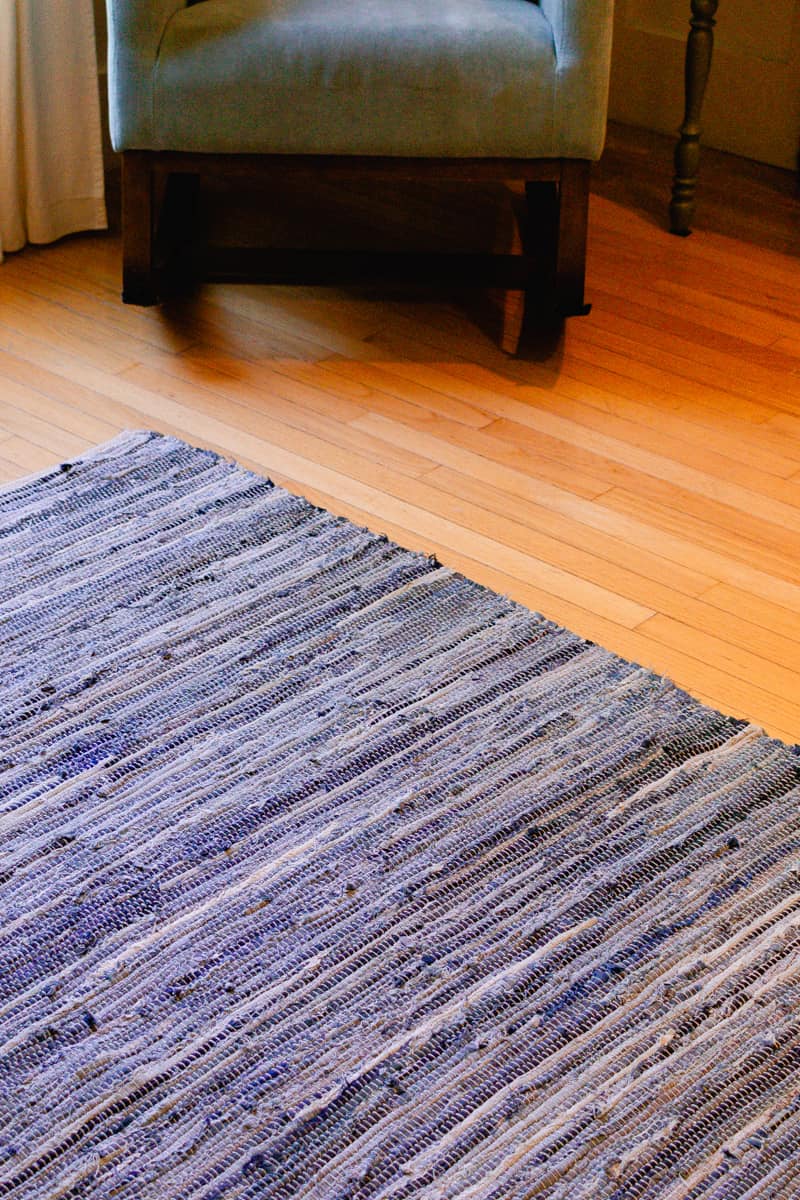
138	229
573	219
539	231
177	248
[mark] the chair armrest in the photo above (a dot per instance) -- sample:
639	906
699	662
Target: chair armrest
582	32
135	30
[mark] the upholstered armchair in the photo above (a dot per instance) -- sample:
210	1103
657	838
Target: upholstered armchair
464	89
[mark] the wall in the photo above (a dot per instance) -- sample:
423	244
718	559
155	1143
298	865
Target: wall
753	100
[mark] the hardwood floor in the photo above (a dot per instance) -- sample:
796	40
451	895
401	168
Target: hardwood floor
637	481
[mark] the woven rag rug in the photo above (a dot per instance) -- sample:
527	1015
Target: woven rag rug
327	873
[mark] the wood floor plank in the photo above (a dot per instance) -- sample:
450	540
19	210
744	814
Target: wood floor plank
27	407
229	331
777	556
706	620
710	253
9	471
547	459
708	295
650	357
678	550
17	323
783	508
676	327
486	458
739	661
46	386
719	431
267	410
690	312
788	427
575	533
28	456
614	475
718	426
724	517
678	600
53	438
767	615
44	290
695	455
597	348
379	379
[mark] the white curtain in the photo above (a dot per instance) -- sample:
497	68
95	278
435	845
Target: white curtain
51	157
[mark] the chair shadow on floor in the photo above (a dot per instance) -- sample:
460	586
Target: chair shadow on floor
449	244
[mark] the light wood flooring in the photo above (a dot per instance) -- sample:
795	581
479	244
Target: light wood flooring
638	481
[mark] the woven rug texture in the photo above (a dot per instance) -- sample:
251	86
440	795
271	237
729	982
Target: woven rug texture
328	874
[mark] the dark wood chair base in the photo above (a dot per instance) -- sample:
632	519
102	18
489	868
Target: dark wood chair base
142	292
159	202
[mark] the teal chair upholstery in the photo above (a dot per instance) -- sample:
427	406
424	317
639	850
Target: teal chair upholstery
508	84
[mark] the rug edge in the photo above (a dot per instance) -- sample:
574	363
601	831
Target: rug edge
131	438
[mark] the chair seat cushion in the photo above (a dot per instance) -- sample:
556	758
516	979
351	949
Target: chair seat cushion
397	77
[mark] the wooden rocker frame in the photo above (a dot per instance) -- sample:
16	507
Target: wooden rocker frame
551	269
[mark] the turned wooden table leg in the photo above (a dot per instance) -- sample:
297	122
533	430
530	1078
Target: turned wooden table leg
687	152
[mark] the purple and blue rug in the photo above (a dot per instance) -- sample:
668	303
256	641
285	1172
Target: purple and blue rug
326	873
